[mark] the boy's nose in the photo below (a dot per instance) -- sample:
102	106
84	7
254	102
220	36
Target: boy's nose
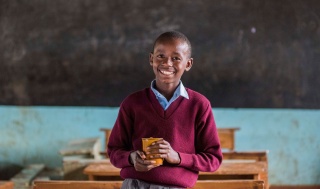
167	61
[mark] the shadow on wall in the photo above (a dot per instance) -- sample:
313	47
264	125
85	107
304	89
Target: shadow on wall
8	170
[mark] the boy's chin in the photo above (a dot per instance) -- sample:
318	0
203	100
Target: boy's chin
168	82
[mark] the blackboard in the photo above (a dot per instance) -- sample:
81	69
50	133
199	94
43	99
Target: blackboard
247	53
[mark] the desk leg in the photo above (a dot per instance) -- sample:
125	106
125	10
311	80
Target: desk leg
91	177
264	177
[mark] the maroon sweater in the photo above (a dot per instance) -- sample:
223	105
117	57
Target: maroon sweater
188	125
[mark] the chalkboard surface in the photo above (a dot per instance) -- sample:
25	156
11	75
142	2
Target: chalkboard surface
252	54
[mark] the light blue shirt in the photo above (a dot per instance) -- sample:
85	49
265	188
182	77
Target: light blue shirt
180	91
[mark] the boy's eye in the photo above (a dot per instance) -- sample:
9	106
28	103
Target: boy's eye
176	58
160	56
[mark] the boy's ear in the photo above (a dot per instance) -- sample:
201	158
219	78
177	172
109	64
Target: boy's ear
189	64
151	58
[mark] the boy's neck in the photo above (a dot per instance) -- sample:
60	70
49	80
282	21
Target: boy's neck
167	90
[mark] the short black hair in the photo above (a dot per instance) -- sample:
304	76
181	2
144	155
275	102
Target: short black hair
174	35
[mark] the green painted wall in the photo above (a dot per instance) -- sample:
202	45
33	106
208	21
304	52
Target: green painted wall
35	134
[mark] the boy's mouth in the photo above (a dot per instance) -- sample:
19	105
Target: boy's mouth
166	72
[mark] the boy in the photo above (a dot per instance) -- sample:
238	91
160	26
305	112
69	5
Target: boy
168	110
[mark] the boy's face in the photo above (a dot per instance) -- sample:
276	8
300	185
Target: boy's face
169	60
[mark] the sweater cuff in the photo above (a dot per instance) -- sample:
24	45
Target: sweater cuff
126	160
186	160
129	159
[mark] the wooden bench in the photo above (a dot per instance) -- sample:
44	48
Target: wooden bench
84	147
77	184
226	136
229	184
229	170
25	177
258	156
6	185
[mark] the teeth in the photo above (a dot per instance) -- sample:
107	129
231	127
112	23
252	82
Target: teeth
166	72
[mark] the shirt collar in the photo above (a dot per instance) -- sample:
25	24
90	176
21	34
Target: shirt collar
183	91
180	91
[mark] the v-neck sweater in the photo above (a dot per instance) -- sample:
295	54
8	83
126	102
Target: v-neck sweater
188	125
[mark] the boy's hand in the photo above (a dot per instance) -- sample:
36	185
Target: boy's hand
163	149
138	159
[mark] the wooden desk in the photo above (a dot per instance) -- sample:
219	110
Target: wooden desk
230	184
246	155
258	156
227	137
229	169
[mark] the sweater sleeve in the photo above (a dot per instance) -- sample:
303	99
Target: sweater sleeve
119	145
208	156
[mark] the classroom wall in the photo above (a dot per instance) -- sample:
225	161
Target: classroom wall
34	134
65	67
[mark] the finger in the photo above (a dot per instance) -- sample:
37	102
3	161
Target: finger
141	155
159	151
164	151
162	141
157	147
158	142
149	162
146	162
165	156
155	156
146	168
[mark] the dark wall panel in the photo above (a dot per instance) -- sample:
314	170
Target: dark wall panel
247	53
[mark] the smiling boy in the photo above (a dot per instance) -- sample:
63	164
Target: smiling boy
168	110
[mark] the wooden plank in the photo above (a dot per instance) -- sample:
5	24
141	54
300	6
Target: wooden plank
73	167
246	155
228	129
101	169
238	167
77	184
87	146
26	176
230	184
47	173
295	187
6	185
256	170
